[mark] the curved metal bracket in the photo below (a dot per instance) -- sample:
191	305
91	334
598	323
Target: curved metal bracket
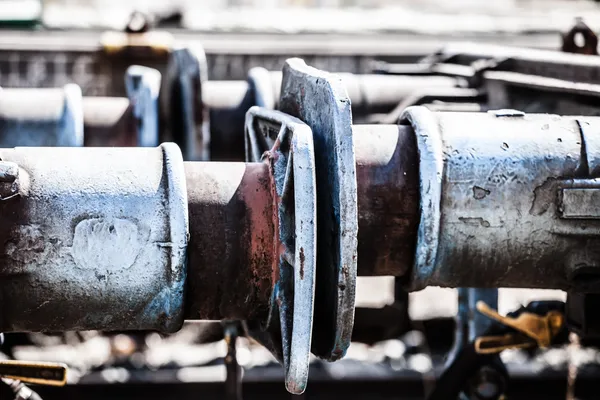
181	102
431	166
292	165
320	100
142	85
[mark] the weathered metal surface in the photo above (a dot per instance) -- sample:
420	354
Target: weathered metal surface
387	194
526	79
143	86
387	175
292	163
181	102
532	93
41	117
580	203
590	135
109	121
320	100
232	232
491	203
92	239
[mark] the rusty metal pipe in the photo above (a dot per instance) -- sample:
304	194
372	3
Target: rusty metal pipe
387	174
230	254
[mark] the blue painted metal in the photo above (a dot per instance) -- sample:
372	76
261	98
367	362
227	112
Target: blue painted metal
94	238
143	85
494	187
41	117
479	323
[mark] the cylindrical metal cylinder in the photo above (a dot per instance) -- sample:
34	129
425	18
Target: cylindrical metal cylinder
387	175
369	93
109	121
231	252
92	238
41	117
507	200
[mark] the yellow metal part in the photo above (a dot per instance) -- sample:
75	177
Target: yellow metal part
155	41
41	373
532	330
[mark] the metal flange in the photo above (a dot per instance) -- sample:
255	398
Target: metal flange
320	100
292	164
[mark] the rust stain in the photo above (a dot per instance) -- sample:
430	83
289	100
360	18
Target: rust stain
302	258
262	228
273	215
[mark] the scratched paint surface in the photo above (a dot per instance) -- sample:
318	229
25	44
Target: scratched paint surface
499	215
95	240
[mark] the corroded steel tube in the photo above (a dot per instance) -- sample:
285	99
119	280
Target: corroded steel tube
387	174
96	238
92	238
507	200
232	233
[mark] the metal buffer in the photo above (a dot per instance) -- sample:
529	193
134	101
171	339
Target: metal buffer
99	240
437	202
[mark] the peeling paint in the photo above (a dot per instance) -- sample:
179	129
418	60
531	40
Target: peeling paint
107	244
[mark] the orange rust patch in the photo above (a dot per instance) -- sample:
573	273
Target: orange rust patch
302	258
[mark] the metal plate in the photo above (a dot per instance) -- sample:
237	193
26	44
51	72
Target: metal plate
320	100
292	163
